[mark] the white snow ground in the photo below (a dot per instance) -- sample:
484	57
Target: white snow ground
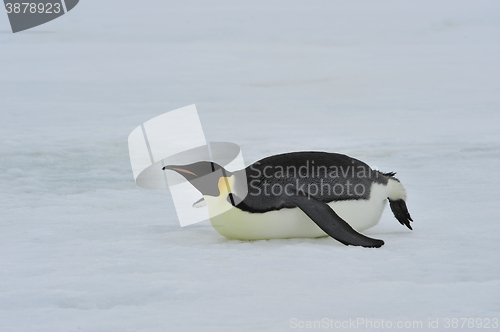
412	87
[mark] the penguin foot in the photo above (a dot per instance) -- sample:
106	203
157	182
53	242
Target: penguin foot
400	211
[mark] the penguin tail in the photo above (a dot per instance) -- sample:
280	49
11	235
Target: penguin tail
389	174
397	202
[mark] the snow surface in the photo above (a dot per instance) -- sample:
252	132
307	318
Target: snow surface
412	87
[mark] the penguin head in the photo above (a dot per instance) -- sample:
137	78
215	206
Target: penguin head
208	177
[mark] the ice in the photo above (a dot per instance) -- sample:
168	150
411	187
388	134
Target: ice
411	87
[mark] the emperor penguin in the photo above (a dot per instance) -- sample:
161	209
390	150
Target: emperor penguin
298	195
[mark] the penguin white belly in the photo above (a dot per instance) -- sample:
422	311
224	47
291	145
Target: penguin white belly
363	214
292	223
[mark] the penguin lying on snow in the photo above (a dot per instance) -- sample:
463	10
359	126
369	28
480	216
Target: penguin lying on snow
278	196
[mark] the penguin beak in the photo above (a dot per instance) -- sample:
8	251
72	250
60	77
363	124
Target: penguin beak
178	169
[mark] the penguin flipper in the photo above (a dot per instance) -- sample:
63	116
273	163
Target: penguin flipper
331	223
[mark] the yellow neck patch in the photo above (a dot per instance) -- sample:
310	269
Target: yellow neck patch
225	185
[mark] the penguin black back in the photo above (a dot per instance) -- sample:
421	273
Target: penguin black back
323	176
